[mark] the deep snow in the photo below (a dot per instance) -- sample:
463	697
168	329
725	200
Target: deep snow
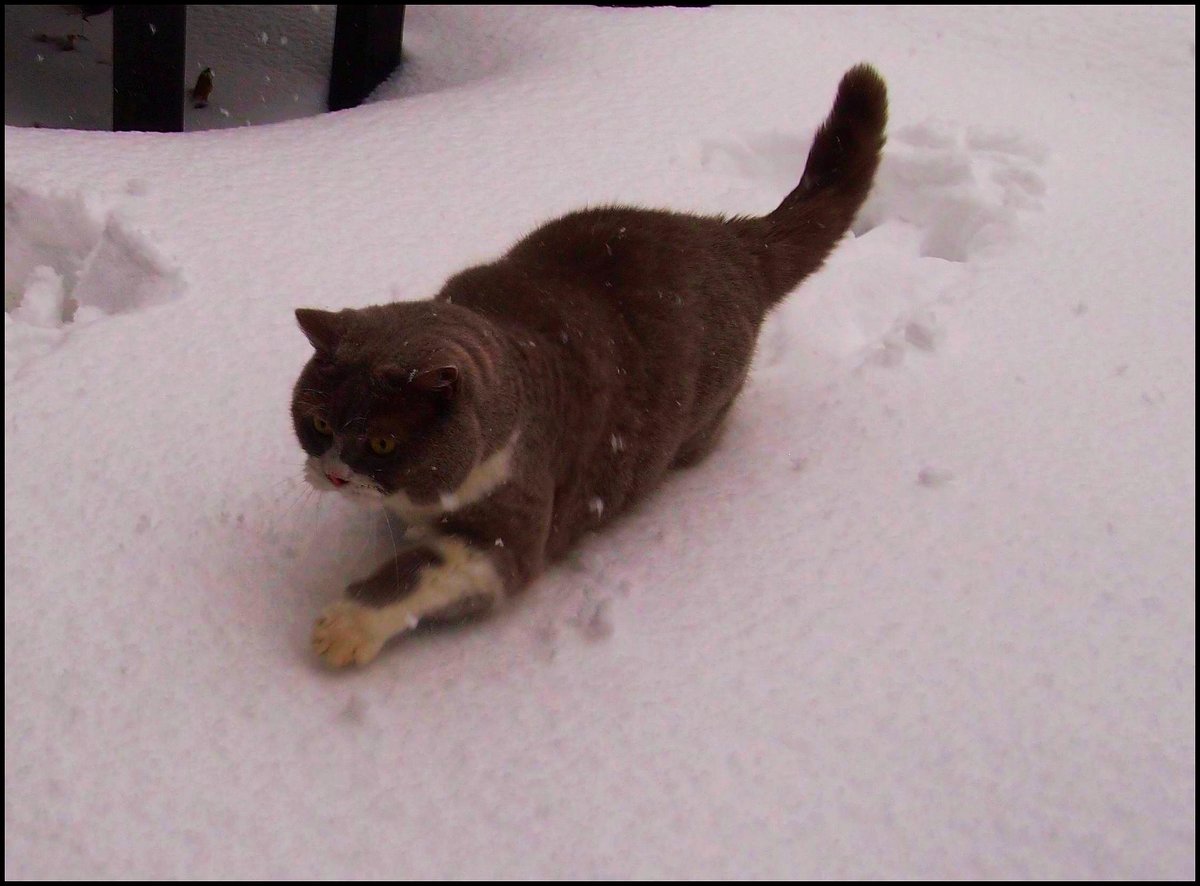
928	611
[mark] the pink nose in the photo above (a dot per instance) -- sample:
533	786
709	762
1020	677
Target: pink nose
336	481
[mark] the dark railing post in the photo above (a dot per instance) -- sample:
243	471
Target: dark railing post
366	49
148	76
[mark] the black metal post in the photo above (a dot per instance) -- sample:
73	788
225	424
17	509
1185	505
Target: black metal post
366	49
148	68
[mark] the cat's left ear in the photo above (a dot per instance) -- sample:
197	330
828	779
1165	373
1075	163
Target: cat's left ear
323	328
442	382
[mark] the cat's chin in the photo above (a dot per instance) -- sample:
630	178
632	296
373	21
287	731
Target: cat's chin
362	494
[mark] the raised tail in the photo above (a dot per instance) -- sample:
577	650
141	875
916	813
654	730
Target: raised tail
795	239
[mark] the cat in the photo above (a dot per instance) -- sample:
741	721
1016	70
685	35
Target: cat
538	397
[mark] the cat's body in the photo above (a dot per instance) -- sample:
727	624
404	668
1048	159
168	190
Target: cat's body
538	397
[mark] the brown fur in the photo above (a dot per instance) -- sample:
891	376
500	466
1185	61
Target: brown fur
612	341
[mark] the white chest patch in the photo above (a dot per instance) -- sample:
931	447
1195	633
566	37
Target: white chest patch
486	477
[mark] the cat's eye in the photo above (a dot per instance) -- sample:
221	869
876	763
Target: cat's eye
322	426
383	445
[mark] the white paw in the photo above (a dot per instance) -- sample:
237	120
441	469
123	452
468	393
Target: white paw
345	633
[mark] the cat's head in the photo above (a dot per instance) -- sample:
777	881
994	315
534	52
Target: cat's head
398	403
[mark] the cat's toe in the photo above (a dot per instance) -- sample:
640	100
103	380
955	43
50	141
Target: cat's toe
343	635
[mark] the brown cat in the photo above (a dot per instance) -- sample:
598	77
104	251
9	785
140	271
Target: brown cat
538	397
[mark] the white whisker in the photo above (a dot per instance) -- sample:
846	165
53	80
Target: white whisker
395	552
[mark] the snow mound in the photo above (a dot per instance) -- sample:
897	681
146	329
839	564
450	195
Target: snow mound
42	302
945	198
965	190
67	259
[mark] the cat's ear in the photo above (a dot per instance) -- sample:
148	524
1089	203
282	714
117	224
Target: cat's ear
323	328
441	382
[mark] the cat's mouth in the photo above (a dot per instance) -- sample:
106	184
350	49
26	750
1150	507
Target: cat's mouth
331	475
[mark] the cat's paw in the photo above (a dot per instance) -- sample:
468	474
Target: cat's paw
345	633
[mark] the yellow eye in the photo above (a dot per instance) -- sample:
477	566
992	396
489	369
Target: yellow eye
382	445
322	426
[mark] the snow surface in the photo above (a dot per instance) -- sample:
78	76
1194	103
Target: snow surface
928	611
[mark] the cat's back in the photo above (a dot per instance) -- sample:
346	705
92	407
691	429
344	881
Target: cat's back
644	289
630	249
665	282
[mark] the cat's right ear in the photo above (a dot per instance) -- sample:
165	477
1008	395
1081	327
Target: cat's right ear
323	328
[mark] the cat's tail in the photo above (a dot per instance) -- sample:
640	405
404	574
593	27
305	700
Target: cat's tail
794	240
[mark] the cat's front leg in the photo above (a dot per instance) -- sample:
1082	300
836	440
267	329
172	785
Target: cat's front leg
438	578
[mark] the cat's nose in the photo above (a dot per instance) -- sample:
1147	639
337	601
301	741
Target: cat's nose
336	481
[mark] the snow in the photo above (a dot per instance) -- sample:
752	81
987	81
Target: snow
927	611
42	301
